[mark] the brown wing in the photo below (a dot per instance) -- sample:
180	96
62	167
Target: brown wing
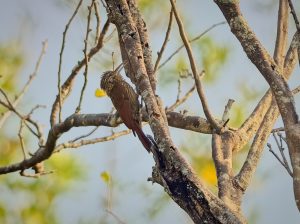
126	102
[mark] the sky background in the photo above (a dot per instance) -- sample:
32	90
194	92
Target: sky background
33	21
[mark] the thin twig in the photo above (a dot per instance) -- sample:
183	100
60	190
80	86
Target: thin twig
77	144
278	129
97	14
86	135
85	74
160	53
181	100
21	138
61	55
27	118
282	33
27	84
228	106
115	216
281	137
66	88
190	41
294	15
200	91
36	174
281	149
35	108
178	89
109	36
277	157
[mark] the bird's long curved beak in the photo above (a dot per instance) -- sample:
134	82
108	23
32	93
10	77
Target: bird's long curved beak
119	68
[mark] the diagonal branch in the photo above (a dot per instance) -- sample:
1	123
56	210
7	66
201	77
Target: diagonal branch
27	84
191	41
272	74
171	170
200	90
77	144
66	88
160	53
252	123
282	33
294	15
85	73
60	59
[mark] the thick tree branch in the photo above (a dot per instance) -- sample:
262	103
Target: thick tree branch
246	173
144	39
75	120
282	33
252	123
272	74
171	169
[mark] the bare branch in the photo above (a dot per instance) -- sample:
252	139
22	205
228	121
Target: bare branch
222	156
282	33
9	106
292	55
22	139
200	91
97	14
227	109
285	165
45	151
60	59
144	41
86	135
281	149
171	167
160	53
190	41
75	144
245	175
294	15
27	84
38	171
181	100
85	74
66	88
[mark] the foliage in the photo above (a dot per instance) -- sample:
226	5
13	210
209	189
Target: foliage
22	199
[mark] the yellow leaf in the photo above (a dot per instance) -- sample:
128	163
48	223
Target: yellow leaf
100	93
208	173
105	176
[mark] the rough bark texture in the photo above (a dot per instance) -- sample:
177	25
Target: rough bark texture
273	75
171	170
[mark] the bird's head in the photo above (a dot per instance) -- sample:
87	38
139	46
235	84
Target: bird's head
108	79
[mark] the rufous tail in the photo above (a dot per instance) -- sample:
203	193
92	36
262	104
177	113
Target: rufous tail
144	139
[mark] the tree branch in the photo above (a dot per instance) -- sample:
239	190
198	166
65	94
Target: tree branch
85	73
272	74
171	169
200	90
27	84
160	53
66	88
60	60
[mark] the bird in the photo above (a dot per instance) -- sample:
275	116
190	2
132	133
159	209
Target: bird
126	102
